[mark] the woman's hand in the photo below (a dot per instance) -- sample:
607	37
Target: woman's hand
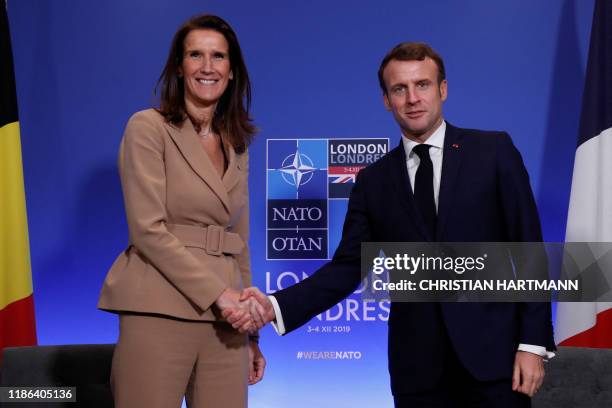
257	363
237	312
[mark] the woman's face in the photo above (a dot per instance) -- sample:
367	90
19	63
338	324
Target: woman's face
206	67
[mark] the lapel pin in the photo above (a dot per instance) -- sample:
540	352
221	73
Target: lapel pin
455	146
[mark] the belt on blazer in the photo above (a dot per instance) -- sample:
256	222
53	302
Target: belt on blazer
215	240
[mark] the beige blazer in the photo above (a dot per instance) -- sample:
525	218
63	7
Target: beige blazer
188	227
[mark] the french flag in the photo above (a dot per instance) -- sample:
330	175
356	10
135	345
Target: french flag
590	209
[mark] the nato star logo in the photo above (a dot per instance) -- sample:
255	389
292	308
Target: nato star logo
297	169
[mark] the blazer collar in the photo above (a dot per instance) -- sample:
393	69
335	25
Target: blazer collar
186	139
401	182
451	165
232	174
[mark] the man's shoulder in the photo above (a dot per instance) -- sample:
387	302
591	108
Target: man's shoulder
476	133
488	139
383	164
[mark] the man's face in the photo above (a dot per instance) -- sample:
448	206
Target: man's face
414	96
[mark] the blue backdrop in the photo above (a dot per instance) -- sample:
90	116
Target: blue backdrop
84	67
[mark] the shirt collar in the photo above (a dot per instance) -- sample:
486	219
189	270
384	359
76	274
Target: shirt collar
436	140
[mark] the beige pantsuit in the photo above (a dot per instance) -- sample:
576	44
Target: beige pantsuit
188	229
158	360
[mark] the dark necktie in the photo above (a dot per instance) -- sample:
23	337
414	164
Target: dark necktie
423	188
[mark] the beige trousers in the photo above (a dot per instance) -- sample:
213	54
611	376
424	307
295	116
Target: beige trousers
158	360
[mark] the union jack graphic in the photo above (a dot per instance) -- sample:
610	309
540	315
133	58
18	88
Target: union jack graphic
343	174
349	178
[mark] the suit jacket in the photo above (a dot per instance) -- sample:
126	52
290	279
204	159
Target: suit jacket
484	196
172	195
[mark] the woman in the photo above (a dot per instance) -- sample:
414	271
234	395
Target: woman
184	171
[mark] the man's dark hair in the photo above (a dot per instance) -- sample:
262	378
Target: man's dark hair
411	51
231	118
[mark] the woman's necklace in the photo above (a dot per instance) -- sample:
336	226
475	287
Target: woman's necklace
204	134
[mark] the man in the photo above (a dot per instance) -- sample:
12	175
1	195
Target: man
446	184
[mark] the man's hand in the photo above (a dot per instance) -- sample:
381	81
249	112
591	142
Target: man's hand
230	304
257	363
256	307
528	373
263	311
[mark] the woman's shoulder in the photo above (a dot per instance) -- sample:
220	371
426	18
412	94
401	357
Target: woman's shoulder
143	125
149	119
150	115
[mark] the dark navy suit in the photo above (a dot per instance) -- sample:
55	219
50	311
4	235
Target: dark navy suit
484	196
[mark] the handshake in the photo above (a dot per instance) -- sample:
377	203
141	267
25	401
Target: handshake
247	310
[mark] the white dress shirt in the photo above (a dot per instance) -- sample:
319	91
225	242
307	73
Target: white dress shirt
436	152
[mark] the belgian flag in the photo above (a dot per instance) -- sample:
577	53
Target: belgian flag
17	326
